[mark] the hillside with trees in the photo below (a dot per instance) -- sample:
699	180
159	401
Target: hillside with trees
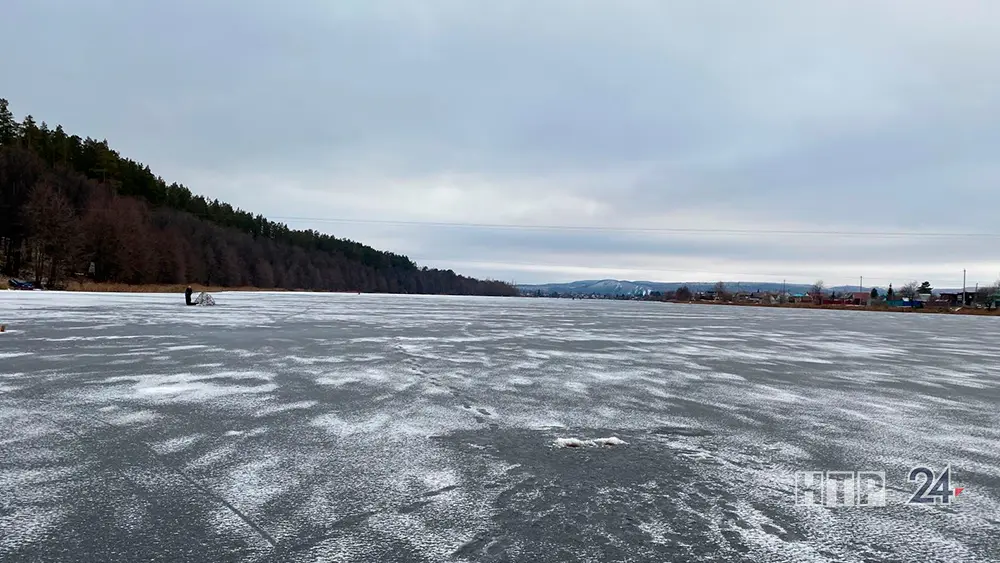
72	206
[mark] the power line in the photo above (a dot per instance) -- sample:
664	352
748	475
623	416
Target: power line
679	230
784	275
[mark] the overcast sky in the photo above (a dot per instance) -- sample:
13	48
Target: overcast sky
841	116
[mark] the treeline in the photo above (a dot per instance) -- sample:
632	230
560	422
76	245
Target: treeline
72	206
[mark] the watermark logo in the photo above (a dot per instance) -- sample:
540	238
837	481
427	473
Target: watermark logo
934	488
840	488
868	488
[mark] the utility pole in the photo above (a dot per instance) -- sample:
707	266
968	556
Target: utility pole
861	284
963	287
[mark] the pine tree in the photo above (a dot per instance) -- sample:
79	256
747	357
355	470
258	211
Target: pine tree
9	128
137	228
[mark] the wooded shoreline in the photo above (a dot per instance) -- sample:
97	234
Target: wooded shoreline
94	287
74	207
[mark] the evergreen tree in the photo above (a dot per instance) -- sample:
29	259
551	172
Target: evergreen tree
134	227
9	128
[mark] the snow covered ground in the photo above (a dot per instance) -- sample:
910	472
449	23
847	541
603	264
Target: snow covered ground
316	427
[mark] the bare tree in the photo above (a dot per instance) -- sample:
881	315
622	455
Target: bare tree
263	274
172	262
816	291
909	290
721	292
52	230
986	294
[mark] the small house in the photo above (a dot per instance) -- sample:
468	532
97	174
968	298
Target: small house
959	298
861	298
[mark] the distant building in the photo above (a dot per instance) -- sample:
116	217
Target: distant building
861	298
955	299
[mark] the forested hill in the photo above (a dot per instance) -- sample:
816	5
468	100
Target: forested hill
70	205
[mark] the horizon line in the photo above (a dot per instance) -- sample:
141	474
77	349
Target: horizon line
726	282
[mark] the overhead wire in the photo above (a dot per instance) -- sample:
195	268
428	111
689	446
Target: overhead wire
665	230
777	276
600	228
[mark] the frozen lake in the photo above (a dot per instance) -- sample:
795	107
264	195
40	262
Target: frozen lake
371	428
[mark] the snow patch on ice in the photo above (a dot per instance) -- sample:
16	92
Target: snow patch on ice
175	445
335	424
594	443
213	457
184	347
337	379
286	407
134	418
8	355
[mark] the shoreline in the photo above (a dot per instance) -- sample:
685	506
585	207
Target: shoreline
95	287
91	287
873	309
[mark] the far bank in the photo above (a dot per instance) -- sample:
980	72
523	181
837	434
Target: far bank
873	308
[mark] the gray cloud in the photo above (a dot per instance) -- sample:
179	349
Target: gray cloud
770	115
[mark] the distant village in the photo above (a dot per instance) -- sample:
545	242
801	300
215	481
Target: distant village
912	295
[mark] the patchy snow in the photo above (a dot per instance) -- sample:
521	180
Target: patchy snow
343	424
594	443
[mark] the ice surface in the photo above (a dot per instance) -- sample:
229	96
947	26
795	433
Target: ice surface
304	427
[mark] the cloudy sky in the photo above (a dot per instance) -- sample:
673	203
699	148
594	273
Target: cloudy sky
552	140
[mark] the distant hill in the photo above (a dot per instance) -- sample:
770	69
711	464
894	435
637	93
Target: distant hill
611	287
72	206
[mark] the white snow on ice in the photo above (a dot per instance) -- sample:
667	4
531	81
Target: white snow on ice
364	403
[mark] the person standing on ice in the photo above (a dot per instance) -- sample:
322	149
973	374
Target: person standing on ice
202	299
